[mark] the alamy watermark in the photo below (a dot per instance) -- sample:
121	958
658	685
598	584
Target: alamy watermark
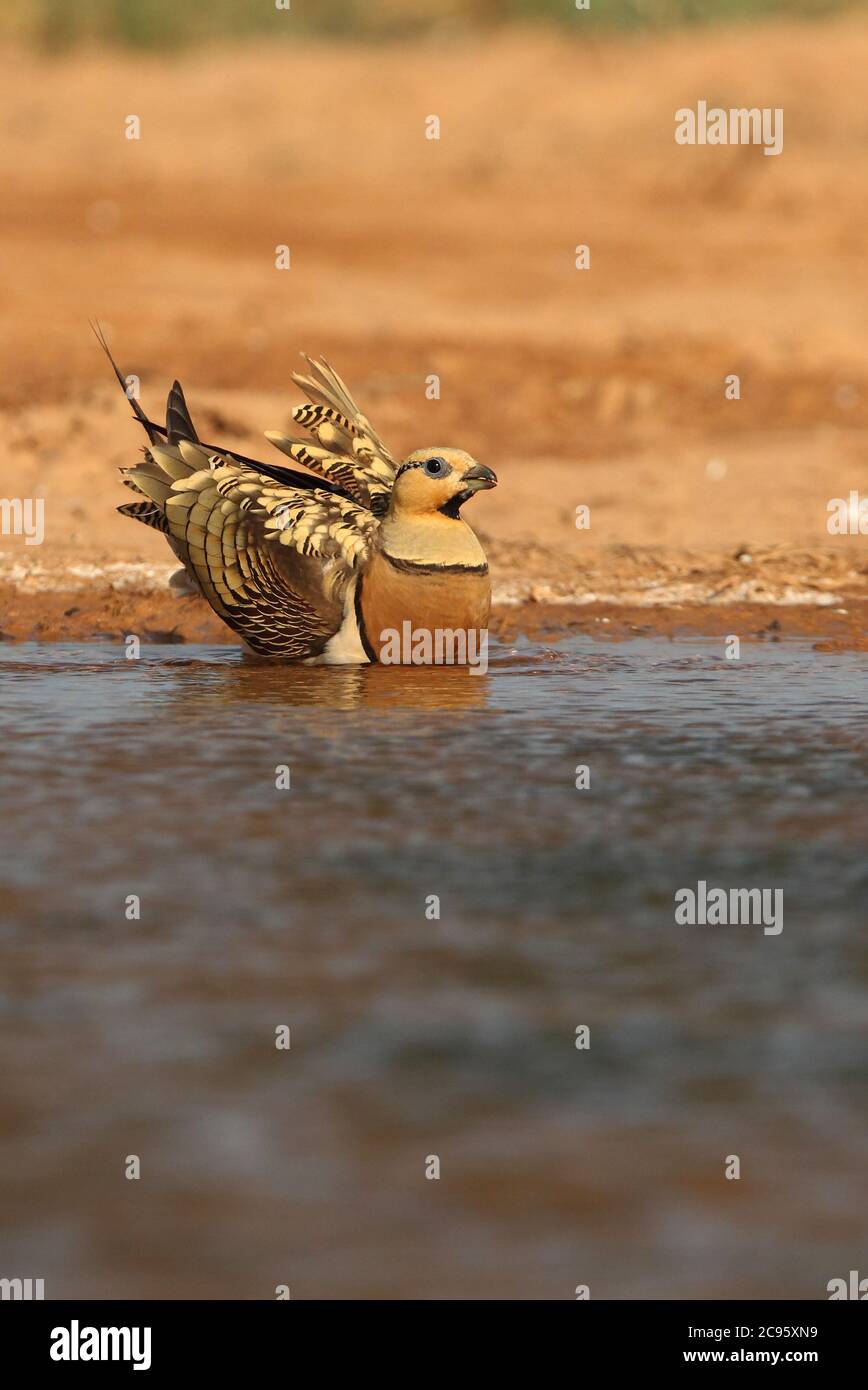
738	126
852	1288
748	907
23	517
438	646
77	1343
22	1290
848	516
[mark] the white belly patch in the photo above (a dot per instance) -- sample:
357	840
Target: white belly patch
345	648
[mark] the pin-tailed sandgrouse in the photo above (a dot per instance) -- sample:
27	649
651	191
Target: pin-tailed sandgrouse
317	565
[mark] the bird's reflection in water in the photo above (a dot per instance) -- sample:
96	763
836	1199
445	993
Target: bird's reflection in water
375	687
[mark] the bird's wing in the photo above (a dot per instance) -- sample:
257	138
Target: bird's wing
274	561
347	449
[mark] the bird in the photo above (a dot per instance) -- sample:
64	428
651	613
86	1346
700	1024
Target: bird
322	566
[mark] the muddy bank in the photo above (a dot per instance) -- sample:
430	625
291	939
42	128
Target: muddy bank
99	611
55	594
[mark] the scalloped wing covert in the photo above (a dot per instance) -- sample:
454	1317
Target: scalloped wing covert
274	561
347	449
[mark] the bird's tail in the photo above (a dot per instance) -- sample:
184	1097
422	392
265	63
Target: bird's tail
154	432
178	426
178	423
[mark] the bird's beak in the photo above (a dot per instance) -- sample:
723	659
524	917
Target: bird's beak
478	477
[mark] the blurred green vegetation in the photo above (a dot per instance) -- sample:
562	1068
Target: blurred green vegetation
58	24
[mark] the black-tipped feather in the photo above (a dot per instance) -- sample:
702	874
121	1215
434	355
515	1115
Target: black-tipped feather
147	512
178	423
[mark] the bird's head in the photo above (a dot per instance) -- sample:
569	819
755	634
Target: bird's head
439	480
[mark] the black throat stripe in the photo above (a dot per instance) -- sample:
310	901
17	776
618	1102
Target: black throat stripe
420	567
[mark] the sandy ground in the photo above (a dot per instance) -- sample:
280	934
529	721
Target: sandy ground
602	388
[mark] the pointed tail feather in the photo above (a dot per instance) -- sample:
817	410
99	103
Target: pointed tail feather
178	423
154	432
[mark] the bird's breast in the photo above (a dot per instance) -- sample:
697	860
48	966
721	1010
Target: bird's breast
429	597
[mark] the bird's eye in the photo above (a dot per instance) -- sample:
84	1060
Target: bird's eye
436	467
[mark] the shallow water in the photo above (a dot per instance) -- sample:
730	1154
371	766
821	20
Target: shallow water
414	1037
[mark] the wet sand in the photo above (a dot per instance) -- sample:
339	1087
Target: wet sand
410	257
100	613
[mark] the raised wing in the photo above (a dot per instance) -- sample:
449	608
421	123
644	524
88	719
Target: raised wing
347	449
274	561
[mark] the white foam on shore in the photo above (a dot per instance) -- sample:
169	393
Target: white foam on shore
520	591
33	577
36	578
